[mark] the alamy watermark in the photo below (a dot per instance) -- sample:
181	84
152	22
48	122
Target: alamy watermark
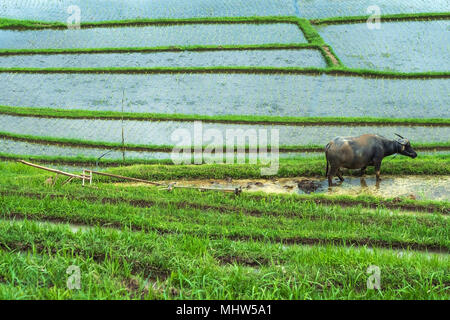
74	279
74	20
374	280
189	147
374	20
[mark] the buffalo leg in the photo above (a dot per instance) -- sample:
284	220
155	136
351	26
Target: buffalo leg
363	171
339	174
377	170
331	174
363	182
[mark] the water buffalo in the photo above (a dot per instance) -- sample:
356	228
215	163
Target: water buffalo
361	152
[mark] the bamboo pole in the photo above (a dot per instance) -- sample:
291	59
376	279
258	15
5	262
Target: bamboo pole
170	186
84	176
53	170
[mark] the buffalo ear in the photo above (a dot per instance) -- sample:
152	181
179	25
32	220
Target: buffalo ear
403	147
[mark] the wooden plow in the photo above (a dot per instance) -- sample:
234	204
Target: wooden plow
87	175
59	172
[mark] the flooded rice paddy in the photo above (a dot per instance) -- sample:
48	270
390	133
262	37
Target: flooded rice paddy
35	149
273	58
160	132
231	94
56	10
413	187
413	46
327	8
153	36
8	146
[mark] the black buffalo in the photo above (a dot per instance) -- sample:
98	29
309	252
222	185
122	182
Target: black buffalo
361	152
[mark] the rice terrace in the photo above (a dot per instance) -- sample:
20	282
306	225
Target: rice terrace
176	149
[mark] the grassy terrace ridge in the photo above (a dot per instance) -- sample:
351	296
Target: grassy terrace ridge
314	224
17	179
336	71
227	119
15	24
312	167
310	33
163	169
20	180
197	48
320	225
429	146
138	265
82	161
384	17
138	196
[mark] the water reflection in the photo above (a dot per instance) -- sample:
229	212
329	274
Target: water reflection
273	58
412	187
417	46
214	94
153	36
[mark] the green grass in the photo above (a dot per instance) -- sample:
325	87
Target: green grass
232	119
289	205
22	179
16	24
313	224
81	161
428	165
385	17
69	142
33	25
145	243
134	265
197	48
310	32
294	167
336	71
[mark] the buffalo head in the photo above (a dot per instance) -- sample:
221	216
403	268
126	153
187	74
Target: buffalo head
405	147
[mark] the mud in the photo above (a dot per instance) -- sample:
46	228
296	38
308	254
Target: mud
244	261
308	186
401	187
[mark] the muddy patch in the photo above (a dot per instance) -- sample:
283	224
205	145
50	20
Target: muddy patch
331	56
243	261
308	186
400	187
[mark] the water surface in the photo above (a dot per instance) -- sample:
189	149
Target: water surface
416	187
160	132
98	10
153	36
56	10
335	8
231	94
273	58
412	46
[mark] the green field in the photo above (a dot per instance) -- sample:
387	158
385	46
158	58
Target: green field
133	240
143	242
